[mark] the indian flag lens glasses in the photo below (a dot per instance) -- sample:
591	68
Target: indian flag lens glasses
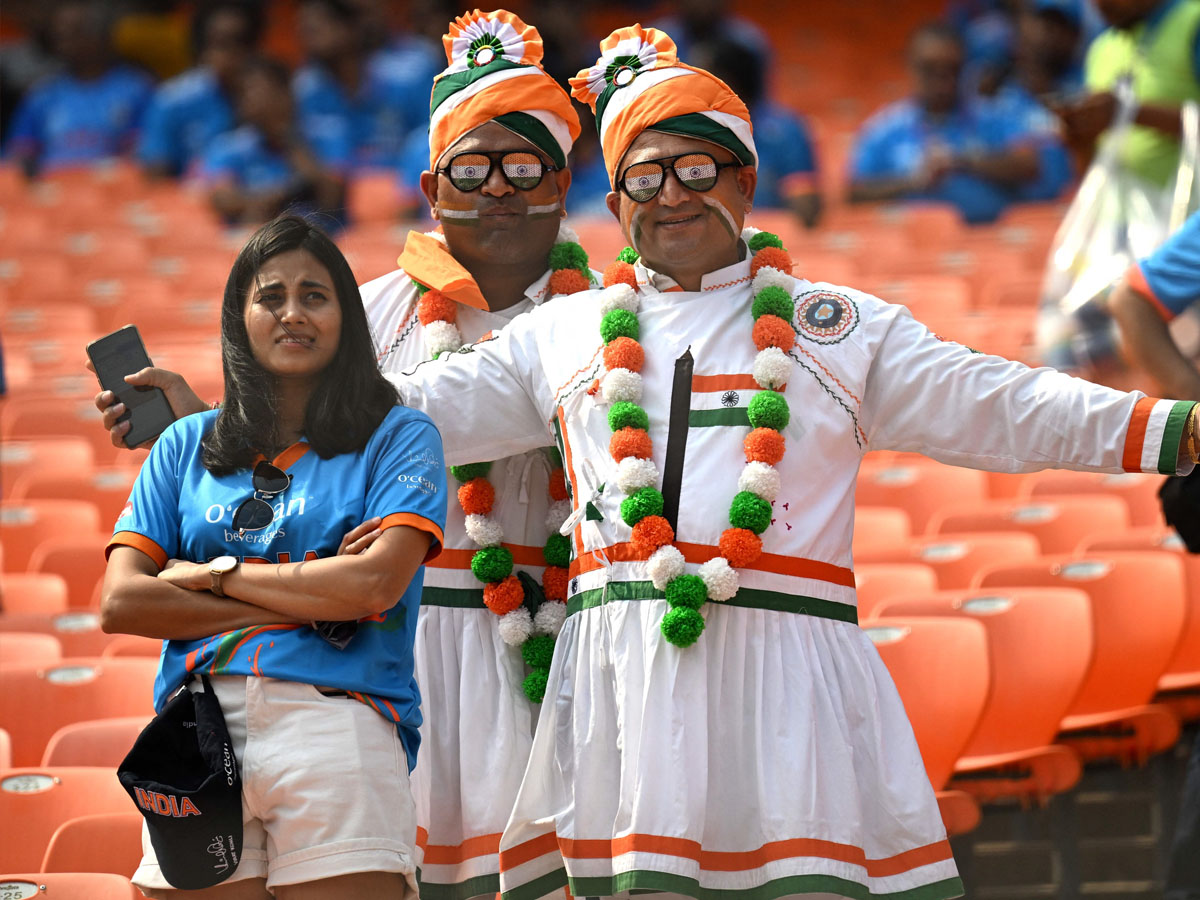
695	171
469	171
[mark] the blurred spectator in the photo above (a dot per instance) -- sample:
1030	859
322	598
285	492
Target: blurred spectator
24	59
939	146
190	110
273	162
710	20
1155	45
89	112
378	97
589	178
787	168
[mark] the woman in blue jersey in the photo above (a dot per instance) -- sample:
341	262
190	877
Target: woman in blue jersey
228	549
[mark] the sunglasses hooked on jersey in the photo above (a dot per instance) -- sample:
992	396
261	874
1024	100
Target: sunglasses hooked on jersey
470	171
642	181
255	512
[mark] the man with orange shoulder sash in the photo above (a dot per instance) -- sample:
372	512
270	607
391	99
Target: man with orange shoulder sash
715	721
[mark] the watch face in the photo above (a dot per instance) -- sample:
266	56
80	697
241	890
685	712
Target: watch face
223	564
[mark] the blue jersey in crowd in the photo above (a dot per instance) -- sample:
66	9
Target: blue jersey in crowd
1170	276
185	115
894	141
1055	169
787	164
68	122
180	510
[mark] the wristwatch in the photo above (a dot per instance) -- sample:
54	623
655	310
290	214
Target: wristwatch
218	569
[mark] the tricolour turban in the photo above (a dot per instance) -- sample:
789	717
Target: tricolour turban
638	83
495	73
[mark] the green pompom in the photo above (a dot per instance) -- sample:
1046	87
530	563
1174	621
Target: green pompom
422	289
628	255
768	409
470	470
624	414
535	683
765	239
556	459
537	651
619	323
643	502
492	564
557	550
569	255
686	591
773	301
682	626
749	511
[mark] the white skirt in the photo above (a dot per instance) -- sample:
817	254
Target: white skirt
771	758
475	742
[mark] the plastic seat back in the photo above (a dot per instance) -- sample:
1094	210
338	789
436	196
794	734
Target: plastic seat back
918	488
102	842
68	886
877	582
19	456
1058	522
78	631
32	592
28	648
958	558
24	526
78	559
1137	489
107	487
878	527
94	742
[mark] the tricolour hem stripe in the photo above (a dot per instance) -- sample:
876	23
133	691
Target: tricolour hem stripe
747	598
456	598
1152	439
539	887
1168	454
462	890
797	567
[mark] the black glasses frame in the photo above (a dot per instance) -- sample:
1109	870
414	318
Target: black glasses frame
667	164
494	156
255	512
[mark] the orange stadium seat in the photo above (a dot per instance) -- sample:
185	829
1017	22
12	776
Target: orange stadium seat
5	749
1010	291
29	648
918	486
1138	607
1039	648
36	702
24	526
54	352
78	631
78	559
101	842
1138	490
132	645
32	592
94	742
69	886
876	582
878	528
958	558
35	317
1058	522
932	299
30	419
107	487
42	799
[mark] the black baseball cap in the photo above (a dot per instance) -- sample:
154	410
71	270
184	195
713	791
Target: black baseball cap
183	776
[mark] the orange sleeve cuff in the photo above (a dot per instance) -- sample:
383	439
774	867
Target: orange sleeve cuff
1136	279
421	524
138	542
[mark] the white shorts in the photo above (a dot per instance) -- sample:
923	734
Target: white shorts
325	787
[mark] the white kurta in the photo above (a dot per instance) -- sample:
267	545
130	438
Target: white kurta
477	724
773	757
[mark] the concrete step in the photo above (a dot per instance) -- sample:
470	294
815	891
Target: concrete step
1109	860
1011	864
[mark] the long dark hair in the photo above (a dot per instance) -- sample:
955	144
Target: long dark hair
351	398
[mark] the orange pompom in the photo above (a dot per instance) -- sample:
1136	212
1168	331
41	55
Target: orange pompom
568	281
649	534
764	445
630	442
435	306
740	546
620	272
558	484
772	331
554	582
773	257
477	496
502	597
624	353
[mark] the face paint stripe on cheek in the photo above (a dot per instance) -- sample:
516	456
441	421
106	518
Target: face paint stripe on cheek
723	214
633	228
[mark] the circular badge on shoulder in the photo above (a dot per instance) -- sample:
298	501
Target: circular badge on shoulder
826	317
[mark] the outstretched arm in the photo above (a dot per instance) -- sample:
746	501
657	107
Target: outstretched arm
1148	340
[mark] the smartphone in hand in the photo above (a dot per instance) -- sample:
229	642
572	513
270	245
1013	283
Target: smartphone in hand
119	354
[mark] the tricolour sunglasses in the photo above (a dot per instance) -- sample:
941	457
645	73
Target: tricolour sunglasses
255	512
642	181
469	171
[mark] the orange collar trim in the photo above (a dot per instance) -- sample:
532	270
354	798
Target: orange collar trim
427	260
285	459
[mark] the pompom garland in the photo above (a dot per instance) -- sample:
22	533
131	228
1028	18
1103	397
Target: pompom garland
619	296
568	255
435	305
568	281
628	255
554	582
534	685
492	563
550	617
557	514
470	470
516	627
477	496
557	550
538	650
484	530
503	596
558	485
442	337
652	536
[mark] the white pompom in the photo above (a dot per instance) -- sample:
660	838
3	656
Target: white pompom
770	277
618	296
484	530
772	368
748	232
516	627
621	384
550	617
436	235
634	473
441	336
566	235
664	564
761	480
557	514
720	578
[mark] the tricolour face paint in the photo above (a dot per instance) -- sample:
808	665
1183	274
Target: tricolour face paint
723	214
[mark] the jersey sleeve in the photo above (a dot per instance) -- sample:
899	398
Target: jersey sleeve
408	477
867	158
150	520
1170	277
964	408
158	143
